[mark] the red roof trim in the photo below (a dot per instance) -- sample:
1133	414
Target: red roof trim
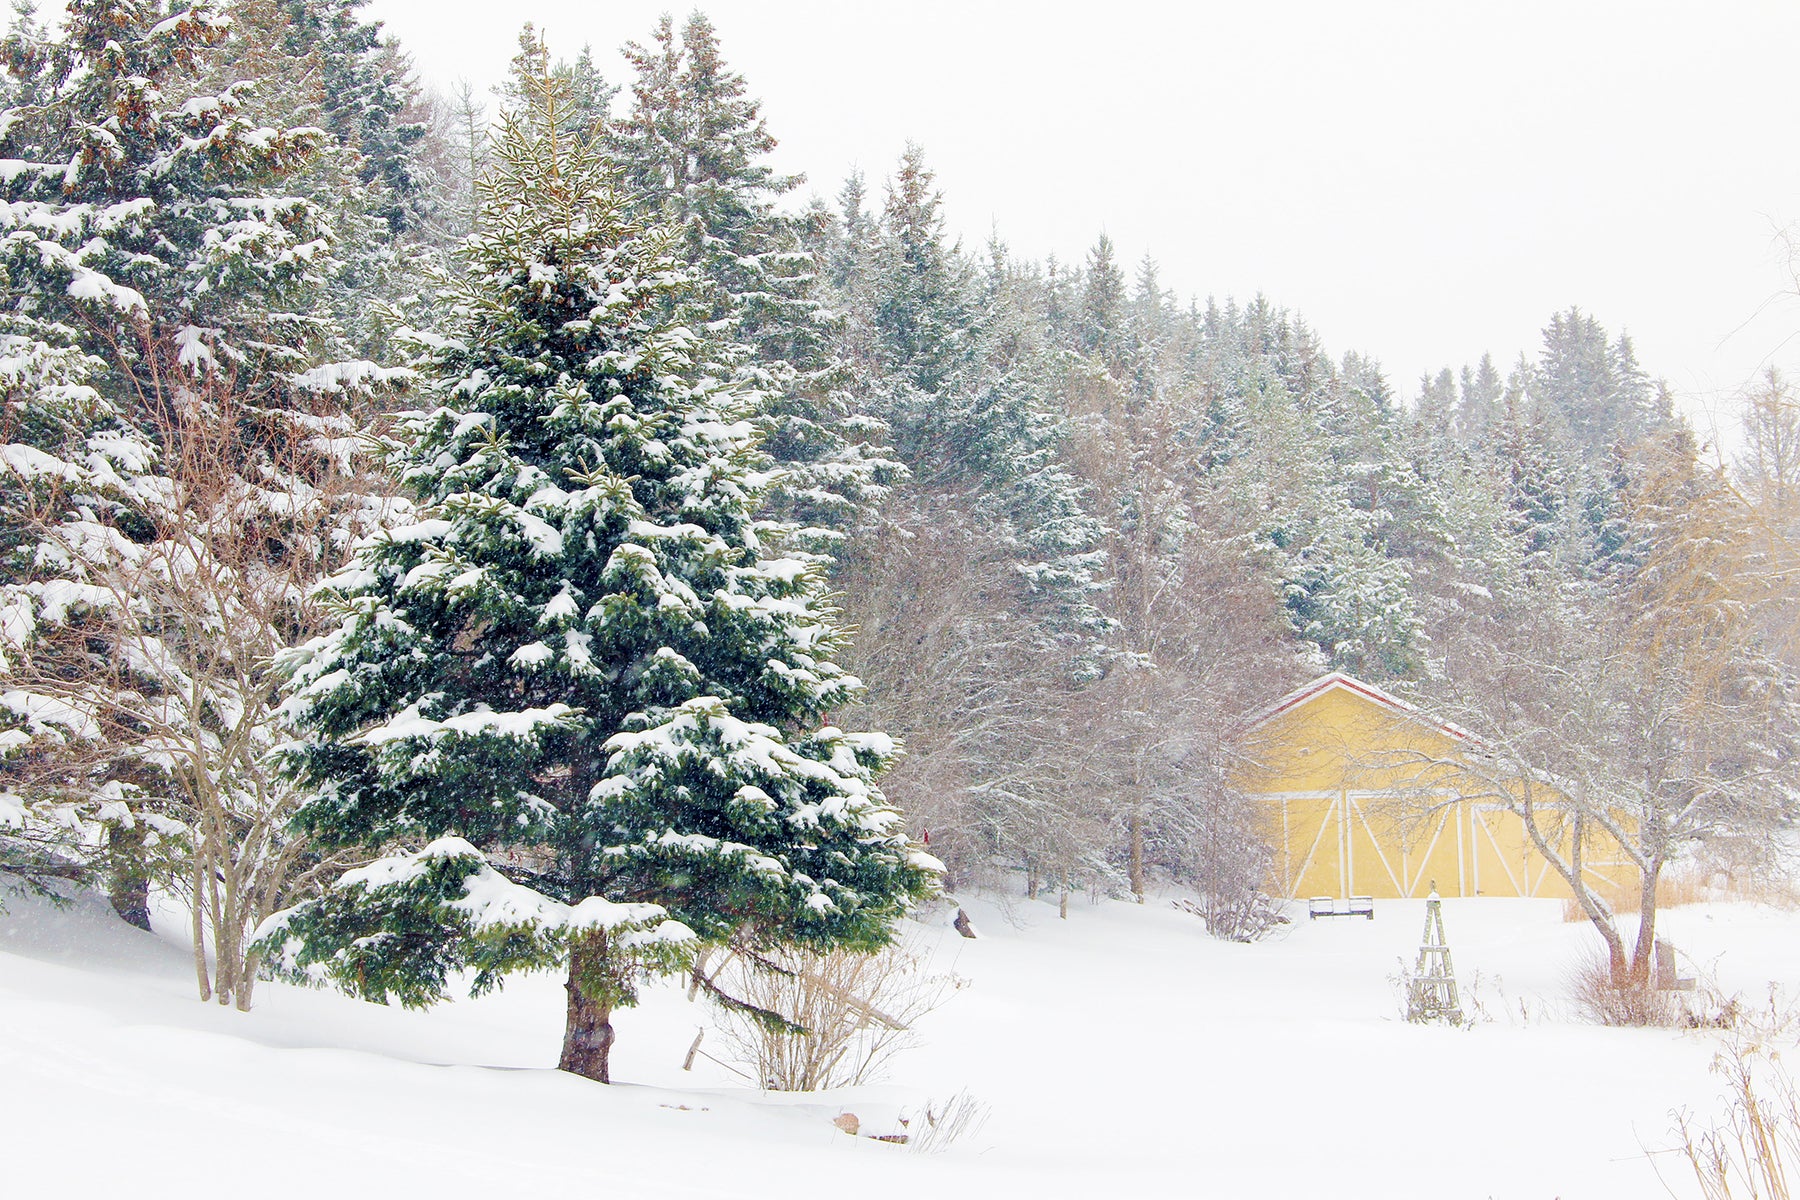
1349	683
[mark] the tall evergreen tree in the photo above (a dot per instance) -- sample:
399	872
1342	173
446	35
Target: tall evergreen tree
694	149
365	96
1535	485
924	312
1594	388
1103	304
151	260
580	671
133	201
318	64
586	114
1480	392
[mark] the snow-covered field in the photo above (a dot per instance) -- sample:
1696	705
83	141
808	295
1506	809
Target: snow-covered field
1118	1053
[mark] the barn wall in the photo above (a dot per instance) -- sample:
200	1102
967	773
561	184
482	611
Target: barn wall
1363	800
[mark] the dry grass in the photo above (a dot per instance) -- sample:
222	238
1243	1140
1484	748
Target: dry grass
1676	889
940	1123
1750	1153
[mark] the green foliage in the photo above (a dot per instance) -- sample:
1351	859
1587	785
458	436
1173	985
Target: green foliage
131	200
155	267
693	150
578	653
396	932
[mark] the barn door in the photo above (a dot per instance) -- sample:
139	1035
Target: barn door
1314	850
1498	861
1372	852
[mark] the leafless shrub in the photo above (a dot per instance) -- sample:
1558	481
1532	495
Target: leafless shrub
1746	866
1415	1007
1596	998
847	1013
1227	860
939	1123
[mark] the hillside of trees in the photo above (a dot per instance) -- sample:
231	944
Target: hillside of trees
1068	523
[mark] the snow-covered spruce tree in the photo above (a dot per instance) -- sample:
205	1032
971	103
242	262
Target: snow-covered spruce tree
318	63
578	671
366	97
59	439
147	256
135	202
694	151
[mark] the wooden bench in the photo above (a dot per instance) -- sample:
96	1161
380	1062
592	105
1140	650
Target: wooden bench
1327	906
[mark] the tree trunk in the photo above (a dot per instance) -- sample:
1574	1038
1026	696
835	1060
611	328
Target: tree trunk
1641	953
1137	851
1618	968
588	1031
1617	965
201	978
129	887
240	995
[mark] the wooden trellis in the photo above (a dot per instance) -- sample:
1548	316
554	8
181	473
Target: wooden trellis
1431	992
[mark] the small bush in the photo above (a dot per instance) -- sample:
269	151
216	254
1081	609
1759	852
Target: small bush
1752	868
847	1014
1597	999
1243	918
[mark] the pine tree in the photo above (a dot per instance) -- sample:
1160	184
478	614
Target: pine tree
585	118
1481	389
63	448
132	201
1535	484
924	312
1103	304
152	262
365	96
1437	401
1595	389
1151	329
317	64
579	671
695	149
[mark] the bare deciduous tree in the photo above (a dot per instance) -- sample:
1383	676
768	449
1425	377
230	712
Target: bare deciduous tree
955	666
1641	717
159	648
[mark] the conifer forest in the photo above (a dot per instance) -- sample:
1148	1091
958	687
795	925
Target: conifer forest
447	536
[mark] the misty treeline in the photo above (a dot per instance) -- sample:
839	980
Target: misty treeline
1081	526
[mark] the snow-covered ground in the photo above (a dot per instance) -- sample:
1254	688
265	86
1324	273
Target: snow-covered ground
1118	1053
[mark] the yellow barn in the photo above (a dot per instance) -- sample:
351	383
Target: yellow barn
1363	797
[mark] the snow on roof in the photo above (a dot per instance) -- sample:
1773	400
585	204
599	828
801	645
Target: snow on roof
1337	680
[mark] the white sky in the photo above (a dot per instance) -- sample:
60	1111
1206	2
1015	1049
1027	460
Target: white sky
1422	182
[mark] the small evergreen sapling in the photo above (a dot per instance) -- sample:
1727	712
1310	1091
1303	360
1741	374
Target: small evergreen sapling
577	672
